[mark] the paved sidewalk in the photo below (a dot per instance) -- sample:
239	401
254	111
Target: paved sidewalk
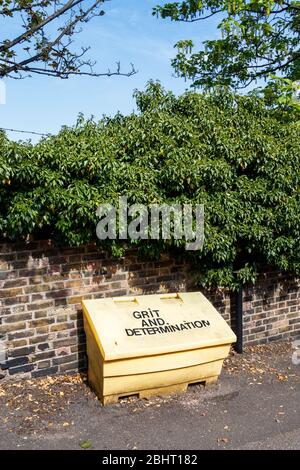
256	405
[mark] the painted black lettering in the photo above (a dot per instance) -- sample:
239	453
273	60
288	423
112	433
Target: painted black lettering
175	327
164	329
129	332
136	315
151	331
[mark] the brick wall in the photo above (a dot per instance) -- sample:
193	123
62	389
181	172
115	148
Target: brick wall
272	308
41	288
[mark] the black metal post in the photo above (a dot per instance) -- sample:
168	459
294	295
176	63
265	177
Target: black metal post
239	320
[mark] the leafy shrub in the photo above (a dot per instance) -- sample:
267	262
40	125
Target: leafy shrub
228	152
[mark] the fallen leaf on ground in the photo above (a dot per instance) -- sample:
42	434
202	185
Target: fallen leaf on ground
85	444
281	377
223	439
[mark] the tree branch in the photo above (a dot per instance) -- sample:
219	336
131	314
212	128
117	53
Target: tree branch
70	4
48	48
64	75
8	12
293	6
200	18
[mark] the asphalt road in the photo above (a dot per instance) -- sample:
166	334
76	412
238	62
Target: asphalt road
244	411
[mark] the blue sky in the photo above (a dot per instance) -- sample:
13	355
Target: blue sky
126	33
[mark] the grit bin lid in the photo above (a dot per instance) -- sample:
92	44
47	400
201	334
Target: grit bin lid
146	325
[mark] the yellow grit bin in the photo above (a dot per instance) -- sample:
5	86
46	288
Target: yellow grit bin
153	344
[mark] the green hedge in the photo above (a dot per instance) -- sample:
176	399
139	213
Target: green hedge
231	153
